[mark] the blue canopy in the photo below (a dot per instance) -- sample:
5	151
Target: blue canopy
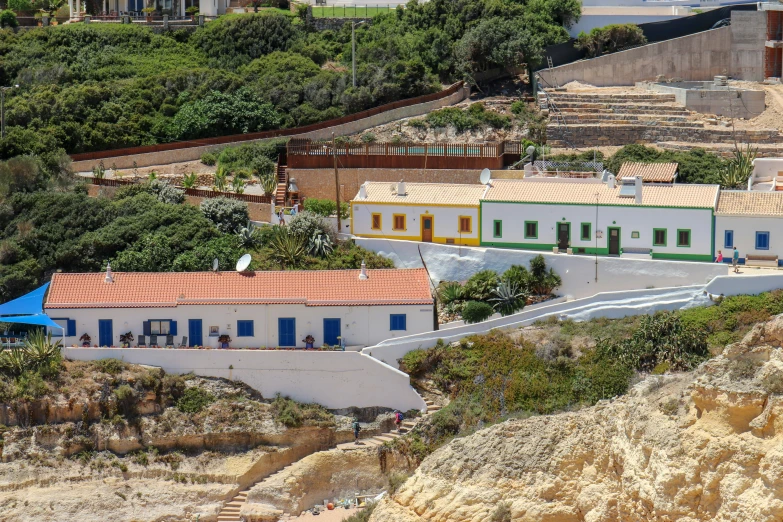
28	304
37	319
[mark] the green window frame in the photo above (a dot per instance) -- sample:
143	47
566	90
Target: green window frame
680	243
534	224
586	227
655	237
497	228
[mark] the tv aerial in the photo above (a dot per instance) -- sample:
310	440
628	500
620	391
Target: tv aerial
485	177
215	265
243	263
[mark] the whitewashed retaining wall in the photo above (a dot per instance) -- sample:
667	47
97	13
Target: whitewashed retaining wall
745	284
333	379
454	263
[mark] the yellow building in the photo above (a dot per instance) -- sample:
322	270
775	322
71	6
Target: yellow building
430	212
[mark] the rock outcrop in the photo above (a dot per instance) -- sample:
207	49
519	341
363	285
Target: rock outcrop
691	447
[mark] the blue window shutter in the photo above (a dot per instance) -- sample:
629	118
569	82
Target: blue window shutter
245	328
397	322
403	322
762	240
70	330
728	239
250	328
172	327
146	328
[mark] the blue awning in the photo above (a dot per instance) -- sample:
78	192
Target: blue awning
28	304
37	319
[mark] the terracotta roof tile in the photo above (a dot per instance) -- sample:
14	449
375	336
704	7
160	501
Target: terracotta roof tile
584	192
650	172
424	193
311	288
750	203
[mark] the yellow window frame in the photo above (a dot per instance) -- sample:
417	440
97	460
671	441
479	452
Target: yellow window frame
380	221
404	222
470	225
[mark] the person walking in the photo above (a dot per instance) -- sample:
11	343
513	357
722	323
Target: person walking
720	257
735	260
398	419
356	428
281	217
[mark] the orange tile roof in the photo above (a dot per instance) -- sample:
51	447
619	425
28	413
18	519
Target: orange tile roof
585	192
308	287
650	172
750	203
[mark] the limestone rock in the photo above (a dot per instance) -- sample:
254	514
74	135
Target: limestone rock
691	447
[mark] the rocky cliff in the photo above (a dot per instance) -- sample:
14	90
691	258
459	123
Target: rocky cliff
700	446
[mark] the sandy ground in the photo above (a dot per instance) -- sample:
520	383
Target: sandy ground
336	515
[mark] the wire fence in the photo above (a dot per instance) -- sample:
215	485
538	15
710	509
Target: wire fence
351	11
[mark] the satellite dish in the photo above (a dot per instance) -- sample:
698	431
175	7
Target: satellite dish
486	176
215	265
243	263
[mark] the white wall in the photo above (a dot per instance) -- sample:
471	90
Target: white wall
742	285
628	219
745	229
332	379
453	263
446	221
360	325
764	169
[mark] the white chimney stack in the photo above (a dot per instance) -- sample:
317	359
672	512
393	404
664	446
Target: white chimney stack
611	181
638	190
401	188
108	278
363	273
362	192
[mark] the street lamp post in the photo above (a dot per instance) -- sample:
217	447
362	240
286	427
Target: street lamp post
2	110
353	48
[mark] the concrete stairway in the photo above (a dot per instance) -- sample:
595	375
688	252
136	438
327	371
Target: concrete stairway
230	512
378	440
594	119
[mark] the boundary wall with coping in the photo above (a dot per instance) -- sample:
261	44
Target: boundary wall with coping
335	380
193	153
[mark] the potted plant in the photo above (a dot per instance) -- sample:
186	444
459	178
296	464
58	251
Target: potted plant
148	11
223	340
85	339
126	339
193	12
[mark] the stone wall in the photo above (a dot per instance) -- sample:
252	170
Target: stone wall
194	153
699	56
319	183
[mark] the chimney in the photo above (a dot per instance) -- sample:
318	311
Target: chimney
362	192
108	278
638	190
363	273
611	181
401	188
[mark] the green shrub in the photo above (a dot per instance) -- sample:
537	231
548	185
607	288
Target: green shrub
502	513
609	39
292	414
8	19
476	312
194	399
450	292
326	207
209	158
480	285
229	215
127	401
363	515
110	366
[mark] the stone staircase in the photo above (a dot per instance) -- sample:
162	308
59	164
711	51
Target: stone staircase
600	119
231	510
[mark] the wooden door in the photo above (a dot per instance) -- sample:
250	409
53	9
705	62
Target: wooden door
614	241
563	234
426	229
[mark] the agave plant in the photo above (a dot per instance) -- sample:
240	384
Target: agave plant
320	244
269	184
508	299
238	185
13	361
287	248
450	293
739	168
189	180
40	351
221	178
247	235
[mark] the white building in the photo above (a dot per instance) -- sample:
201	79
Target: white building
430	212
752	221
588	216
255	309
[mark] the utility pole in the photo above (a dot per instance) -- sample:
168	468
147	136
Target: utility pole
2	110
336	184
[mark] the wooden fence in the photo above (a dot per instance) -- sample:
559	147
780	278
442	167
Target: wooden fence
130	151
250	198
320	154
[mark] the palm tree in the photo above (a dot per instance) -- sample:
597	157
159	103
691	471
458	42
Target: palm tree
221	178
